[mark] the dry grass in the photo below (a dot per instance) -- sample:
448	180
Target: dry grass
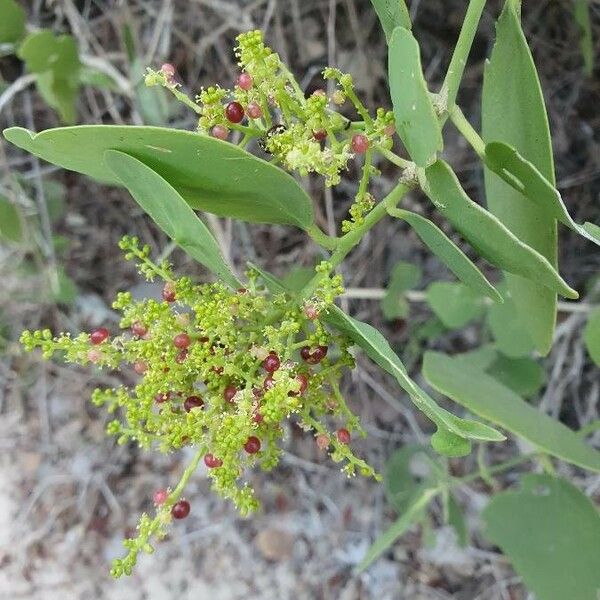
68	494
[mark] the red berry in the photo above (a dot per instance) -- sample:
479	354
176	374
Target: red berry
182	340
234	112
138	329
162	397
245	81
211	461
229	392
168	69
257	418
318	354
305	353
269	382
181	509
254	110
319	135
252	446
271	363
140	367
360	143
322	441
220	132
303	380
343	435
193	402
168	292
181	356
160	497
99	335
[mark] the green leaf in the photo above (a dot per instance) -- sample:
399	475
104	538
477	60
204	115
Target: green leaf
274	284
457	520
380	352
61	94
297	278
586	43
481	358
12	23
97	79
392	13
513	112
67	289
482	395
209	174
455	304
523	176
416	121
10	223
591	336
150	102
551	533
448	252
522	375
412	515
509	330
170	212
490	238
404	276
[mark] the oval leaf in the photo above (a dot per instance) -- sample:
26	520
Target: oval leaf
392	13
484	396
523	176
170	212
551	533
416	121
209	174
380	352
453	303
448	252
487	234
12	24
513	112
591	336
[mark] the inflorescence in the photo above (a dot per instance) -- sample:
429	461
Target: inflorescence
304	135
221	371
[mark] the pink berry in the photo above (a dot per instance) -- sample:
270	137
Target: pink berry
99	335
271	363
229	392
234	112
193	402
245	81
319	135
182	341
160	497
211	461
311	312
220	132
343	435
168	69
254	110
181	356
138	329
168	292
181	509
269	382
322	441
360	143
252	446
94	355
140	367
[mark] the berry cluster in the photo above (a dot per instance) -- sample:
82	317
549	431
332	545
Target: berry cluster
306	135
219	370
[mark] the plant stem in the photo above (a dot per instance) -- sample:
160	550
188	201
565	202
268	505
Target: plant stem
189	471
468	131
456	481
394	158
322	239
461	51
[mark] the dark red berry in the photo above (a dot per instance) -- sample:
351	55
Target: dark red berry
305	353
269	382
254	110
319	135
229	392
211	461
257	418
99	335
162	397
138	329
252	446
182	340
168	292
234	112
181	509
318	354
181	356
271	363
193	402
343	435
245	81
220	132
303	380
160	497
360	143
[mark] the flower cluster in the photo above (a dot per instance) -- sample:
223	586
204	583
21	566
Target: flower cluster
219	370
305	135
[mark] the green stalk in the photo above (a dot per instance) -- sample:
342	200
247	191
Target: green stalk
468	131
